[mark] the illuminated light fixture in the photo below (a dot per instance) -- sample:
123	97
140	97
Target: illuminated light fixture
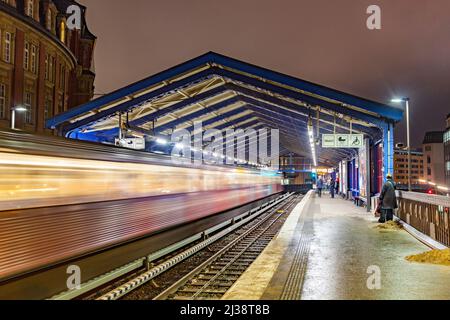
443	188
205	152
179	146
161	141
423	181
13	115
20	109
432	183
312	141
194	149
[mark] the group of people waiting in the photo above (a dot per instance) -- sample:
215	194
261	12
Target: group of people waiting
332	185
387	201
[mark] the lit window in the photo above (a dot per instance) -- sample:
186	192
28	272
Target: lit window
29	107
49	22
26	56
7	47
63	32
30	8
33	58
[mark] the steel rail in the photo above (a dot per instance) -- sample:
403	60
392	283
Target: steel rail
161	268
172	289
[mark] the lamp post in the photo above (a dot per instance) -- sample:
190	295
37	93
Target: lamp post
406	101
13	115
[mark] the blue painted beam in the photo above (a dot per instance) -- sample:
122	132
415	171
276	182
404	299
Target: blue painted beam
191	117
131	89
129	105
180	105
313	101
394	114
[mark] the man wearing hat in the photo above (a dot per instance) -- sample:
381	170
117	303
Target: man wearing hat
388	200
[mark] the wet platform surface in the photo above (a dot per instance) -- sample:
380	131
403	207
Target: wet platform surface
325	251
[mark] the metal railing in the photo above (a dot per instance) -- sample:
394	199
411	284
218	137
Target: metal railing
430	214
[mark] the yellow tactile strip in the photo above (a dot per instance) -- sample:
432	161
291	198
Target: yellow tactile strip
254	282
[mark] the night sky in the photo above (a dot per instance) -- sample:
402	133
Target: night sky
323	41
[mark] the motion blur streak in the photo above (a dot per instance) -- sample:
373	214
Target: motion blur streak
34	181
61	200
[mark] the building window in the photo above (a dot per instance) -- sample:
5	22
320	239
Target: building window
7	47
33	58
62	78
48	109
26	56
51	69
62	35
49	22
30	8
46	67
2	101
60	103
429	171
29	107
428	159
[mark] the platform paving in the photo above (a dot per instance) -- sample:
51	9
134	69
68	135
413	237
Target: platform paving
325	251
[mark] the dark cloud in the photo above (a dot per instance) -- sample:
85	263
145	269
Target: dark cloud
323	41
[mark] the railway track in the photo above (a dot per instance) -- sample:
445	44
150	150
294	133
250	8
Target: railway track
209	274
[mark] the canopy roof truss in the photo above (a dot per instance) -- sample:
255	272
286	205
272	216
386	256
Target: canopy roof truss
224	93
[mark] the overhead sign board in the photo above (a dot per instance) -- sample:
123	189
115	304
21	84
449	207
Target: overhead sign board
343	141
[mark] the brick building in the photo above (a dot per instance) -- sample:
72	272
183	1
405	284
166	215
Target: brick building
401	168
44	67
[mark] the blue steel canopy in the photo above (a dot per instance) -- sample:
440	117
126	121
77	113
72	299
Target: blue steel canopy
225	93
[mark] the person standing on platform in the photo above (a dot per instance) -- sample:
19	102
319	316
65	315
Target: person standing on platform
332	187
320	186
388	200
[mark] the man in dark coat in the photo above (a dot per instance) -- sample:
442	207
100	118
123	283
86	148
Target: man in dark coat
332	187
320	185
388	200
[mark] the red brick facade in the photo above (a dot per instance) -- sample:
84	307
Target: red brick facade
44	66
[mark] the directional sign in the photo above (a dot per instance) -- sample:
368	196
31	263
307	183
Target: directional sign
356	140
343	141
329	141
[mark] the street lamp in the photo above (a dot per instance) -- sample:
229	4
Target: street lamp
406	101
13	115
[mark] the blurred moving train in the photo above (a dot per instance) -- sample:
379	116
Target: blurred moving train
61	199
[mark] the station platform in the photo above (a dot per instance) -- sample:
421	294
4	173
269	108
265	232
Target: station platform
326	250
